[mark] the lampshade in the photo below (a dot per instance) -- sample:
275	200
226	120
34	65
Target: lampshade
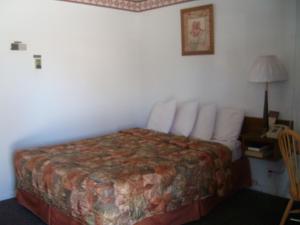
268	69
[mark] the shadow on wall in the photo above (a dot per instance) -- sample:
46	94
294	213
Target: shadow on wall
63	133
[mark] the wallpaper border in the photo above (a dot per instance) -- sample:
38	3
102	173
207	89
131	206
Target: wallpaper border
129	5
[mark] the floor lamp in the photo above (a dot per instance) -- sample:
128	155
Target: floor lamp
267	69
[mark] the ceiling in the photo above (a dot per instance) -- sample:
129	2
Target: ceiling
130	5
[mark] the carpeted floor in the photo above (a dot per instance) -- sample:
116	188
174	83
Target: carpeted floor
244	208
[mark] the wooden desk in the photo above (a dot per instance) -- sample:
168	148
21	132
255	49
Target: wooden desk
253	133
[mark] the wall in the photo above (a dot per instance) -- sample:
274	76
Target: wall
89	83
103	69
297	74
244	30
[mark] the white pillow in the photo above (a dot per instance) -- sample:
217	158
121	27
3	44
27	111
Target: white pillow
204	127
185	117
162	116
228	124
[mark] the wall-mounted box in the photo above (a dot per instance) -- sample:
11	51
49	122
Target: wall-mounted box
18	46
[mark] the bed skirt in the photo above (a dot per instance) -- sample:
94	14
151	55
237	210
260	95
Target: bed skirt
241	178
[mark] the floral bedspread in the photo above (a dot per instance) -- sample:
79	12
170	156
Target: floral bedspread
122	178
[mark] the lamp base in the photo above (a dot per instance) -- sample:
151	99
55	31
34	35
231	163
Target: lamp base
266	109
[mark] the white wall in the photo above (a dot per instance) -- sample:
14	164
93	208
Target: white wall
244	30
297	74
103	69
89	83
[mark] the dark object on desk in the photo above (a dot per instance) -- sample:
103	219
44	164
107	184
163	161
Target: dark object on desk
258	150
256	125
258	147
252	138
273	116
259	154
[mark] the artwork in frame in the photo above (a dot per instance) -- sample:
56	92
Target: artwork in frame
197	30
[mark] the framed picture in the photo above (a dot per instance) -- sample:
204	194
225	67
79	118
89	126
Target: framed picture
197	30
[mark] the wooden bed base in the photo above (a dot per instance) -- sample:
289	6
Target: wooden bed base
241	178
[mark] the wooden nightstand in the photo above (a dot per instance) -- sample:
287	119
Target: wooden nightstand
252	134
251	139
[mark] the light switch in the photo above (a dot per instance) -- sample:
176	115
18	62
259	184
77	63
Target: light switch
38	61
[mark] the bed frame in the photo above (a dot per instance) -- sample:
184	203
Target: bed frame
241	178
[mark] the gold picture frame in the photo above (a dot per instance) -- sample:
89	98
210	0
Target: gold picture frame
197	30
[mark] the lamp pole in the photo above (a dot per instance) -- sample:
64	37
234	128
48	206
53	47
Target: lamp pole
266	108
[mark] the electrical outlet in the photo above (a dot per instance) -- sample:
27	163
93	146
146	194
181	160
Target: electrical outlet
255	182
270	173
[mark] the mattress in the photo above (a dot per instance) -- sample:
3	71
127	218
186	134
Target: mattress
124	177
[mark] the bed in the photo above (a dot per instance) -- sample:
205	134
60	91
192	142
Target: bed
131	177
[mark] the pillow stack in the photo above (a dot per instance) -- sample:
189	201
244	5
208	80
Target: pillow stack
188	119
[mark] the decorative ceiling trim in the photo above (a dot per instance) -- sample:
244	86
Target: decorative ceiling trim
130	5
